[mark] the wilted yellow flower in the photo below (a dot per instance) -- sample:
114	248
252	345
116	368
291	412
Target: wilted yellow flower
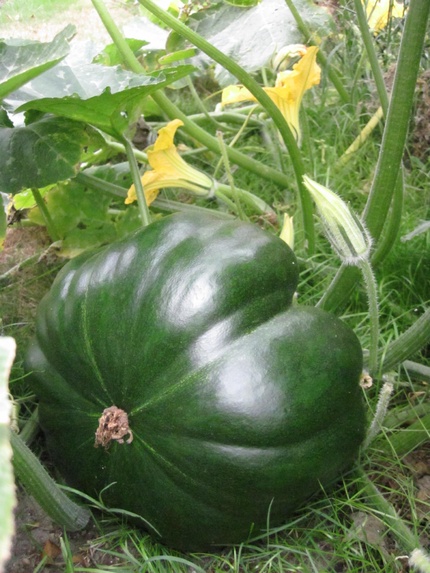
378	11
169	169
282	59
289	89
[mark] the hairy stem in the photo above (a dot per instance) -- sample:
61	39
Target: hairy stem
407	343
385	184
372	297
45	491
50	225
234	192
140	194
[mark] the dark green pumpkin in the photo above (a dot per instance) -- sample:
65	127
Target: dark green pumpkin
240	405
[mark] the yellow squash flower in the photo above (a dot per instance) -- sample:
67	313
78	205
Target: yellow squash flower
289	89
169	169
378	11
287	231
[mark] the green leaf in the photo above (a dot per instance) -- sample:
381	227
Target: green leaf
251	36
111	56
7	488
23	60
83	216
118	173
242	3
177	56
96	94
4	119
42	153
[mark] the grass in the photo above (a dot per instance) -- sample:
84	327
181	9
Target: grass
345	529
37	11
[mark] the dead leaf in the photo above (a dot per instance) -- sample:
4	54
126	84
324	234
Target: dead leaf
368	528
50	550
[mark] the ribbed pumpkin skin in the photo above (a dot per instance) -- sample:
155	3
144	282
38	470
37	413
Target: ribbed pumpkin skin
239	403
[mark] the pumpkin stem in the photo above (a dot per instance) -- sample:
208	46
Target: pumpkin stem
113	425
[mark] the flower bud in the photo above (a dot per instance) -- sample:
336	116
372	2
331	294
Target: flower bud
346	233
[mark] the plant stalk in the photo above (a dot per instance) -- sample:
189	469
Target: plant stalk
407	343
262	98
385	184
50	225
234	192
404	441
45	491
220	190
372	297
173	112
398	116
388	515
332	74
381	410
135	175
371	54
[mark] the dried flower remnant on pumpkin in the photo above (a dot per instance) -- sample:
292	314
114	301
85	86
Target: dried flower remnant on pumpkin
169	169
113	425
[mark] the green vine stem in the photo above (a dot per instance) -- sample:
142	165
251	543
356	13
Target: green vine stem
407	343
393	142
398	116
372	297
135	175
371	54
227	169
406	539
406	440
220	190
173	112
45	491
392	222
381	410
200	134
390	232
332	74
405	415
416	370
261	96
50	225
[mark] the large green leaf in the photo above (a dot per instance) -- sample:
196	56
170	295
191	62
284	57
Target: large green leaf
7	489
96	94
251	36
22	60
85	217
41	153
